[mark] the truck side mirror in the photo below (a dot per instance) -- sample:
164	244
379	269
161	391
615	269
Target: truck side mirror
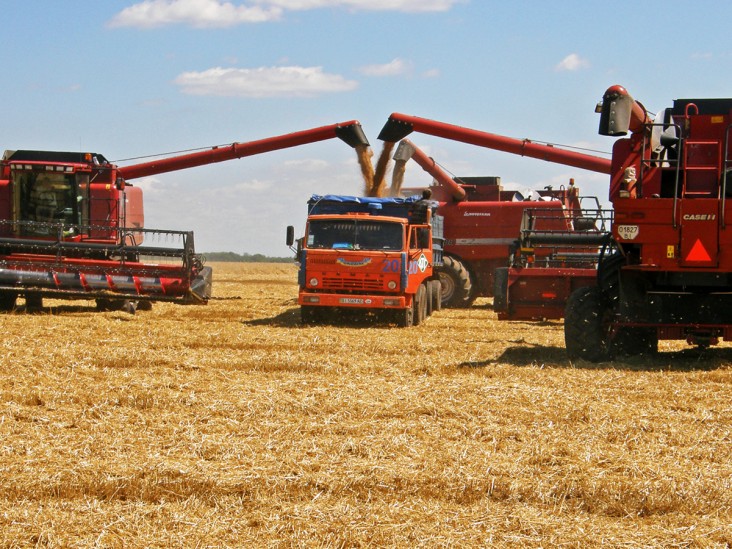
290	240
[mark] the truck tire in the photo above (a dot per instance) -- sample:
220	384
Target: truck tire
428	297
310	314
586	325
457	286
405	317
436	295
420	305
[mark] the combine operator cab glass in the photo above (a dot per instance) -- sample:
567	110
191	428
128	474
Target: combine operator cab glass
355	234
47	198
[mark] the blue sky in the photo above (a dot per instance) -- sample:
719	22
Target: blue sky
130	79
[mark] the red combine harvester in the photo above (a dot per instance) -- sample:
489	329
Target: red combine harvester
482	221
667	272
72	227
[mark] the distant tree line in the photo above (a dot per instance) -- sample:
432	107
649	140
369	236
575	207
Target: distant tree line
245	258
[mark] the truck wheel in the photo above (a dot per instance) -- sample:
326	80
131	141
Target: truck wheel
428	297
309	314
405	317
420	305
436	294
7	301
457	287
586	325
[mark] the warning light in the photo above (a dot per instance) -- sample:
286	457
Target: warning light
698	252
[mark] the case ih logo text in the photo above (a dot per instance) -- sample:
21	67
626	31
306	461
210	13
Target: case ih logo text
699	217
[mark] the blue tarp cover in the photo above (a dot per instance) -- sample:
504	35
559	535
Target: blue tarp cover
362	199
337	204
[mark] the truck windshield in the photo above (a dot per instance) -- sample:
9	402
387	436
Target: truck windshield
354	234
48	198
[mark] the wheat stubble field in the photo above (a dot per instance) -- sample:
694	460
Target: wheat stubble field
231	425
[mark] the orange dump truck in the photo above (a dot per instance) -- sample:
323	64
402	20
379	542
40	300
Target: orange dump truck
373	255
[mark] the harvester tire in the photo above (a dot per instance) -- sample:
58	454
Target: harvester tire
33	301
586	325
457	286
436	294
635	342
420	305
7	301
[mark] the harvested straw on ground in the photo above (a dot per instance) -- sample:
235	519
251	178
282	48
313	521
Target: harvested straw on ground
232	425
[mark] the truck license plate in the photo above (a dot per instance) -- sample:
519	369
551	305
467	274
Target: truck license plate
353	300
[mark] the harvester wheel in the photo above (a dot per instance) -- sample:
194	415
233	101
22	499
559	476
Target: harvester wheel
33	301
420	305
586	325
436	294
144	305
7	301
111	304
457	286
635	341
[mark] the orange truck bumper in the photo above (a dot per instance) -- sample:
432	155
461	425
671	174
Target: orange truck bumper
352	300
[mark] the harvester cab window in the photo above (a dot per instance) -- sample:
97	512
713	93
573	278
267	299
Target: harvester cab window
355	234
47	198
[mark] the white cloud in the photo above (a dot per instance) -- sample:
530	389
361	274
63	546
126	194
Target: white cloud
573	62
431	73
197	13
219	13
410	6
264	82
393	68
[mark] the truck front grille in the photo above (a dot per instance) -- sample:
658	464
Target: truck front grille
348	283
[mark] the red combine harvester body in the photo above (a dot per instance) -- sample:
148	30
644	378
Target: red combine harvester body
482	220
370	255
71	226
667	273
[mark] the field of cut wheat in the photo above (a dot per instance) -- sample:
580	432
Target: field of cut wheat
231	425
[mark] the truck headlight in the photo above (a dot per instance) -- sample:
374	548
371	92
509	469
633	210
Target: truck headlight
391	285
313	282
